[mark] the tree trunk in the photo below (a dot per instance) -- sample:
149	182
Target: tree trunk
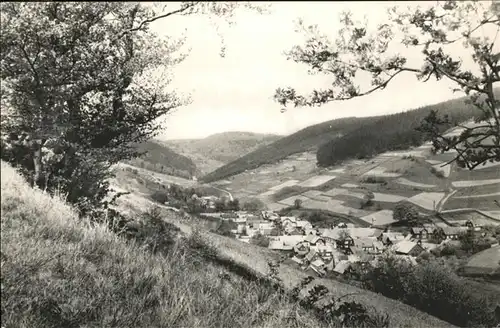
38	176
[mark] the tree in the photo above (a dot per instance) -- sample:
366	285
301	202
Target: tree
367	200
253	205
297	203
234	205
358	52
84	83
260	240
404	212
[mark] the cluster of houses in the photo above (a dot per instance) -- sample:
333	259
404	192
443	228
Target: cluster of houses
342	247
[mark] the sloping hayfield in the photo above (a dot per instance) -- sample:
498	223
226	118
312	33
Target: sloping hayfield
485	262
317	180
427	200
388	198
473	183
479	196
407	182
288	183
383	217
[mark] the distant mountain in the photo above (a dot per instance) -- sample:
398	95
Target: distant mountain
162	159
392	132
306	139
218	149
347	138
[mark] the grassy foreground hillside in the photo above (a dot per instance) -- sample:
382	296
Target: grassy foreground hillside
303	140
58	271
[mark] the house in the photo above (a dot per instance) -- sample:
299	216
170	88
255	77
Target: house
325	251
288	220
407	247
301	249
291	230
430	228
345	242
357	255
318	266
452	232
304	225
342	267
390	238
368	245
314	240
279	245
419	233
311	256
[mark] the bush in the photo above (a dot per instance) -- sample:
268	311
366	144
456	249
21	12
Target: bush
431	288
260	240
437	173
160	197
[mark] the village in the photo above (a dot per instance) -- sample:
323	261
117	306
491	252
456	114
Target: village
344	247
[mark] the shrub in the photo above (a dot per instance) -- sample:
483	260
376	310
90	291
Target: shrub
160	197
431	288
438	173
260	240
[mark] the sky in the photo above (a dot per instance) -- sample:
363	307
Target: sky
234	93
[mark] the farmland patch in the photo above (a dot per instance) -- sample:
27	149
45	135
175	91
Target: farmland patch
317	180
316	195
473	183
381	172
350	185
407	182
290	201
288	183
388	198
427	200
383	217
479	196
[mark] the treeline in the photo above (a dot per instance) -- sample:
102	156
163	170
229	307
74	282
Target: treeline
190	200
301	141
160	158
390	132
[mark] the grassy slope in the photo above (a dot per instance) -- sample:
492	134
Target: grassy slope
303	140
163	159
218	149
58	271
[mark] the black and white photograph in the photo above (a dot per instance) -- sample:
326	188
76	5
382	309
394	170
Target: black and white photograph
250	164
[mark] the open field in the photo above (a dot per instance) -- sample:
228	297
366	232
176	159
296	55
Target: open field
427	200
317	180
382	172
486	262
479	196
288	183
414	184
483	203
473	183
383	217
388	198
